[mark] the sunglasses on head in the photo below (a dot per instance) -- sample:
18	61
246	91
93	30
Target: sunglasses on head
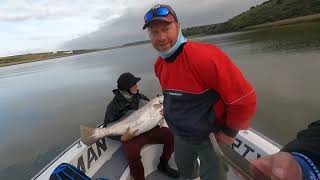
159	12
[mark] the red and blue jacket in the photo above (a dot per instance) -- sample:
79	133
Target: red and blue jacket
204	91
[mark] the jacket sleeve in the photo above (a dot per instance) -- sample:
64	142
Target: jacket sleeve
307	142
143	97
112	113
219	73
134	105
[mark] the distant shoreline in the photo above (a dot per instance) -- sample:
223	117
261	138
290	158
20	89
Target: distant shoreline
34	57
28	58
302	19
29	61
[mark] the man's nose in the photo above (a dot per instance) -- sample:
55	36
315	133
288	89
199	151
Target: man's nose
162	36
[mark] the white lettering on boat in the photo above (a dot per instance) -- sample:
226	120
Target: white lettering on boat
238	144
94	152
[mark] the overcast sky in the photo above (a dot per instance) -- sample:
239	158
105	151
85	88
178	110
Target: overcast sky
45	25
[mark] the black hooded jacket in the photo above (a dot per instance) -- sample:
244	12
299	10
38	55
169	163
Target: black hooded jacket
307	142
119	106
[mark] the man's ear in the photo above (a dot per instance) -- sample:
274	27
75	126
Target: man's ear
178	24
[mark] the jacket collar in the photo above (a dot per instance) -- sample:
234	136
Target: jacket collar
119	96
174	56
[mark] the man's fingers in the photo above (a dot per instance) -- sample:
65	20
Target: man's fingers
134	132
278	173
279	166
285	167
223	139
264	165
127	131
161	112
216	135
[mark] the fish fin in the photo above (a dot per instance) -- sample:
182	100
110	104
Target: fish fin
161	122
88	135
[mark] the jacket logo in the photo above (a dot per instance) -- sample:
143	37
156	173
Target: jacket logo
175	94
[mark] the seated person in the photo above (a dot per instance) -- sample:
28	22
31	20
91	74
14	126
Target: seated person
127	97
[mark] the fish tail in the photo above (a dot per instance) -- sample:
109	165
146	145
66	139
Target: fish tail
88	135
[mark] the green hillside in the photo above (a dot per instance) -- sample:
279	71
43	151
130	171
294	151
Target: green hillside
269	11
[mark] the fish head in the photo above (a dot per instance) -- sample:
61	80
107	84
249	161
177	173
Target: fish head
157	104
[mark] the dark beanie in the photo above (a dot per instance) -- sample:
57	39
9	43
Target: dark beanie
126	81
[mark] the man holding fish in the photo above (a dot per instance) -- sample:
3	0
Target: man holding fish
127	97
204	92
136	121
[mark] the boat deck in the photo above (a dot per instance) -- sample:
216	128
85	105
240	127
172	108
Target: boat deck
115	167
156	175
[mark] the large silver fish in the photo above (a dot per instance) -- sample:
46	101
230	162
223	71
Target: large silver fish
144	119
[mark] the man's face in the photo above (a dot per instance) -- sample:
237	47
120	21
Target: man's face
134	89
163	35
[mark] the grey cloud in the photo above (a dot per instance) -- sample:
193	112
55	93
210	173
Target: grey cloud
128	27
48	37
27	10
38	16
14	18
28	14
125	29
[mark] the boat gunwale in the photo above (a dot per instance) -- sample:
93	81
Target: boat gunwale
78	141
266	138
58	157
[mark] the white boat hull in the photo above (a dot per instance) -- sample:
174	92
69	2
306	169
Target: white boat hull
248	144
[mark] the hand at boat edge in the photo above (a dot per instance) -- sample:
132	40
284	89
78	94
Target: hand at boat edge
279	166
222	138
